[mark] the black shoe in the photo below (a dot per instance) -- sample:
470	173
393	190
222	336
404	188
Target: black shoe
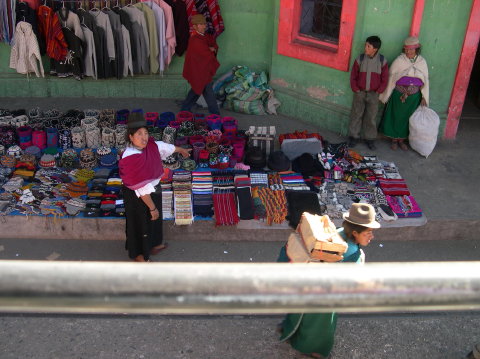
352	141
371	144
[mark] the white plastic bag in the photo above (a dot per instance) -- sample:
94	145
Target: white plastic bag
423	126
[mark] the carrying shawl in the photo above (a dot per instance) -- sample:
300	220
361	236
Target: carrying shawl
137	170
402	66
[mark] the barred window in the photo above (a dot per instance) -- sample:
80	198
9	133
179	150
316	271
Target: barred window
320	19
317	31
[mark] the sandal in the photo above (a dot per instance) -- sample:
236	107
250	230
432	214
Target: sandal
403	145
158	249
394	145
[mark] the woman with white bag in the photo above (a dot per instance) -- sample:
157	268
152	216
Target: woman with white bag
408	88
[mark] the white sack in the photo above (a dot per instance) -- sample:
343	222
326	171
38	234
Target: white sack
423	126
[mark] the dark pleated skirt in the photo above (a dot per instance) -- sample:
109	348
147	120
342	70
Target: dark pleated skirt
142	233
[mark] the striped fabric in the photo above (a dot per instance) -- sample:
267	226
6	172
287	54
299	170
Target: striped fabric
182	197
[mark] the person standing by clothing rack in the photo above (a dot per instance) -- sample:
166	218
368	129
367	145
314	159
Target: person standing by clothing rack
200	66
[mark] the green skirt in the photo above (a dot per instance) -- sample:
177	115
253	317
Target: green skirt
310	332
397	114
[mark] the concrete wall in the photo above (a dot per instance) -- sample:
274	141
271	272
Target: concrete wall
322	95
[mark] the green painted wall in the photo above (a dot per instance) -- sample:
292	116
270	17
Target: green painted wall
247	40
323	96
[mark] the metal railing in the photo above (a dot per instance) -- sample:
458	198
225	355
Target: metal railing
232	288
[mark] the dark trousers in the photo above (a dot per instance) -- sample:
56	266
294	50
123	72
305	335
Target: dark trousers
209	96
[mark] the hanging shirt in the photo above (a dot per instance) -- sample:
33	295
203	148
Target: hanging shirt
127	53
102	20
152	35
169	30
140	38
118	42
182	29
103	64
71	20
160	22
89	56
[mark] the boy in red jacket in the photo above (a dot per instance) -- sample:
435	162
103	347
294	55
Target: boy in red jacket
200	66
368	79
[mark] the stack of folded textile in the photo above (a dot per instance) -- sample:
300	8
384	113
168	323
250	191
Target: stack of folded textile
167	193
224	199
202	191
182	192
404	206
293	181
243	193
259	179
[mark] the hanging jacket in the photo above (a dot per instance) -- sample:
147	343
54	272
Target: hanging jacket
25	55
118	42
50	30
99	40
182	29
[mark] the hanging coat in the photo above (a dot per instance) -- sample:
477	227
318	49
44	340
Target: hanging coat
25	55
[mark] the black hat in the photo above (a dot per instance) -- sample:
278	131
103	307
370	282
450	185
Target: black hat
255	158
136	120
278	161
307	165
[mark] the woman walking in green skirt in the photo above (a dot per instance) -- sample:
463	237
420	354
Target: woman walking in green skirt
313	333
408	88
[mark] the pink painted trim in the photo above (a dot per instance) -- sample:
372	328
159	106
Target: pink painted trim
293	44
464	70
417	18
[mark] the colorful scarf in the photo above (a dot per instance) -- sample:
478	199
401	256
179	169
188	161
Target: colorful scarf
140	169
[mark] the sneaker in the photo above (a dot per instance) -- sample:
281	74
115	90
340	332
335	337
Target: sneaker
371	144
352	141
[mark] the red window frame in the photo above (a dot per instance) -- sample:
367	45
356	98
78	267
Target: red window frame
290	42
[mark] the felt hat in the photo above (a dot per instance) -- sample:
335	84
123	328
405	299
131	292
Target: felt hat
136	120
255	158
411	42
278	161
307	165
198	19
362	214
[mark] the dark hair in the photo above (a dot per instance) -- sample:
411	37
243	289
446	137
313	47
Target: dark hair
349	228
418	50
131	131
374	41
